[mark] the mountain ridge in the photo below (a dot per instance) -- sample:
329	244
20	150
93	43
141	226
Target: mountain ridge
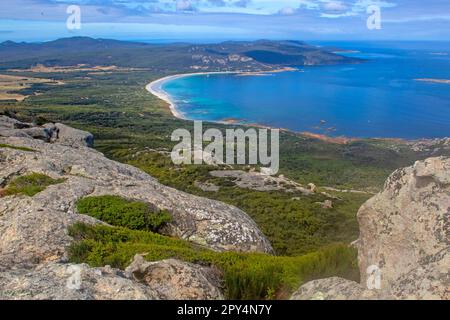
259	55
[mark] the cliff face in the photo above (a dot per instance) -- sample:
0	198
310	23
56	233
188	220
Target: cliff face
404	240
33	230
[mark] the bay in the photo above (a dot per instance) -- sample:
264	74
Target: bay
381	97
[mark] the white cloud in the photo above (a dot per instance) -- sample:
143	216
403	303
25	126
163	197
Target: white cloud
184	5
287	11
336	9
361	5
335	6
309	4
418	18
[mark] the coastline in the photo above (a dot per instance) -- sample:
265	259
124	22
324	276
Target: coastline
155	88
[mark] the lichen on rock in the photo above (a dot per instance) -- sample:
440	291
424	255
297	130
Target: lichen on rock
177	280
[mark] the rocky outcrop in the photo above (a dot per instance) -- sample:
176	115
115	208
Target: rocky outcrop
404	243
407	225
327	204
58	281
333	289
206	186
69	136
88	173
259	181
176	280
33	230
162	280
50	132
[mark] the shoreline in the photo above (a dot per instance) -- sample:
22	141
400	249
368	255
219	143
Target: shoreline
155	88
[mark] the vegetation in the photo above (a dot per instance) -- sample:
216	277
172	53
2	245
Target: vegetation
246	276
175	57
132	126
2	145
117	211
294	223
30	184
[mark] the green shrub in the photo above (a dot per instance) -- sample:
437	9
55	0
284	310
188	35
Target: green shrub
245	275
31	184
120	212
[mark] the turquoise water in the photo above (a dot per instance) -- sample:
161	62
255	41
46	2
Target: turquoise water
378	98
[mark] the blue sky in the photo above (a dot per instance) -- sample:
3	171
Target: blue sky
210	20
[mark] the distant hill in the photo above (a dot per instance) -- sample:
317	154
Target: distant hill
230	55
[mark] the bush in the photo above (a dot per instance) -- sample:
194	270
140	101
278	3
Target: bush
120	212
245	275
31	184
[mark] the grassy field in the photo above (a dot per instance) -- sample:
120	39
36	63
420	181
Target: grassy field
14	88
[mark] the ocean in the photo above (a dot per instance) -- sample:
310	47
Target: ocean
378	98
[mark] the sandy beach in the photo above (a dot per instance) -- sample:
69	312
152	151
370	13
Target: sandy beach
155	88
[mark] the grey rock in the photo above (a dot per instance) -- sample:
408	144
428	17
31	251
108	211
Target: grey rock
333	289
206	186
13	128
49	132
176	280
430	281
259	181
34	236
327	204
209	223
10	123
406	226
56	281
312	187
73	137
13	133
38	133
404	235
34	230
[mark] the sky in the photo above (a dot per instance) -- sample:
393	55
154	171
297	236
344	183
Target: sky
216	20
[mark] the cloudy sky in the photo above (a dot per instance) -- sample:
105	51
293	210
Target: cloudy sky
211	20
